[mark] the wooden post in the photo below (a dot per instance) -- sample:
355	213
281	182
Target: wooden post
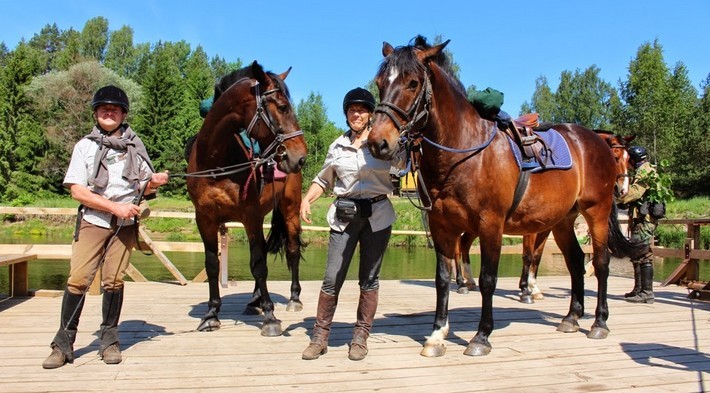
166	262
223	256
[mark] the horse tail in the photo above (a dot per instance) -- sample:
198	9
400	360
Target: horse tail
619	245
277	241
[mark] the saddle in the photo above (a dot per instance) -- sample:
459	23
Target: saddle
531	145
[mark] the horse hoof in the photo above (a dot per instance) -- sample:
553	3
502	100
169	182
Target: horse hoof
527	299
251	310
294	306
271	329
433	351
568	327
538	296
209	325
477	349
462	290
598	333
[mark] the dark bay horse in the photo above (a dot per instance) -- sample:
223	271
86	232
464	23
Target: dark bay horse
470	175
226	183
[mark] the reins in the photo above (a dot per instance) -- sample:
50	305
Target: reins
409	136
269	153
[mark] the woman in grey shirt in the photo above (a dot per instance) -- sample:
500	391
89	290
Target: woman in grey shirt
361	214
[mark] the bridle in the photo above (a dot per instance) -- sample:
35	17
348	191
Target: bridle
262	113
620	146
413	115
269	154
409	136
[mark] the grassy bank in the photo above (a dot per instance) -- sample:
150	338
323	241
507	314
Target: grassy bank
409	218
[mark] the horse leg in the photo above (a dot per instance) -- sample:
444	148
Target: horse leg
574	259
533	246
599	230
490	257
465	262
254	305
525	290
257	263
211	321
435	346
293	256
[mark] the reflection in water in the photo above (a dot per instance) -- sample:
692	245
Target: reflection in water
399	263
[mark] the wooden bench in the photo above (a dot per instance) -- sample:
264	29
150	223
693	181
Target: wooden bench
17	265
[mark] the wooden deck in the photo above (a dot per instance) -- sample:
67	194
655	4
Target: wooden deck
661	347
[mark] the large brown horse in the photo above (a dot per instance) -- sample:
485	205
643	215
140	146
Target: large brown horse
470	175
226	183
534	245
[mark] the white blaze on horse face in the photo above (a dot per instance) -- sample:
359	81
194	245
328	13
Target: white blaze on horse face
625	185
394	73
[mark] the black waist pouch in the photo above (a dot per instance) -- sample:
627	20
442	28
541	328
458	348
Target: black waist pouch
346	209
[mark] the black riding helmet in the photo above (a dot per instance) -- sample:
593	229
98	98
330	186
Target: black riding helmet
358	95
110	95
637	154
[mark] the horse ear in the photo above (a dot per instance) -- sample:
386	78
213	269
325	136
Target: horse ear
258	72
386	49
629	138
285	74
428	53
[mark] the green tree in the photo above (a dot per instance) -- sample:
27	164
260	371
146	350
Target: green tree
19	133
318	131
120	54
49	43
584	98
164	123
542	102
94	38
70	54
644	95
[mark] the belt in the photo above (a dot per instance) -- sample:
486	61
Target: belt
378	198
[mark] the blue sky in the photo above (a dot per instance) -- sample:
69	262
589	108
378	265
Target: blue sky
334	46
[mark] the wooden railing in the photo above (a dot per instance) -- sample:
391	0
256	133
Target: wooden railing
687	272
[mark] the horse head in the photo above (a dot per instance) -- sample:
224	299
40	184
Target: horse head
619	145
405	95
259	102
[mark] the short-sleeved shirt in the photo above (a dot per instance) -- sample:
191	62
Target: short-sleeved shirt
118	190
355	173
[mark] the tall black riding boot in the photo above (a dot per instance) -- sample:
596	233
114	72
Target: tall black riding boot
63	343
321	331
366	309
110	351
637	281
646	293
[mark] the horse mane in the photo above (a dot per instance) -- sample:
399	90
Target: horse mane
246	72
405	60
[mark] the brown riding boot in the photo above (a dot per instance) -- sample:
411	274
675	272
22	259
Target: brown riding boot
366	309
321	330
637	282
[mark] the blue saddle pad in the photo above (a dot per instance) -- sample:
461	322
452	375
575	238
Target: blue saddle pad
559	156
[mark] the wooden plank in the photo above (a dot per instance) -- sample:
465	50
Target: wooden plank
657	347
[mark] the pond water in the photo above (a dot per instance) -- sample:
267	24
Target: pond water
399	263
